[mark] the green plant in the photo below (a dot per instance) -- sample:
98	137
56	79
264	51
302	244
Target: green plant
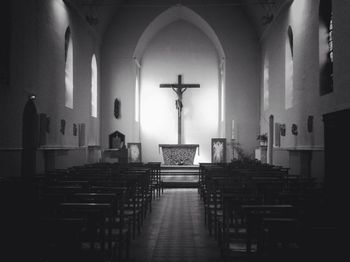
241	154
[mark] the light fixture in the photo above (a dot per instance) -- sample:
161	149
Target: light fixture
31	97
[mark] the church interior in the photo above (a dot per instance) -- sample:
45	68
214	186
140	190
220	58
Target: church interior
173	130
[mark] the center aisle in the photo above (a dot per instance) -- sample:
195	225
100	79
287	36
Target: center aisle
175	231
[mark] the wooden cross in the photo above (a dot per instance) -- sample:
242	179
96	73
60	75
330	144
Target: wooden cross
179	88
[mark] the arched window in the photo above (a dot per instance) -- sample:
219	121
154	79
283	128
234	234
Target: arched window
137	89
289	69
68	69
93	86
326	46
266	83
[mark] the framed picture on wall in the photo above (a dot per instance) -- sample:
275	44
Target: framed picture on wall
218	150
134	153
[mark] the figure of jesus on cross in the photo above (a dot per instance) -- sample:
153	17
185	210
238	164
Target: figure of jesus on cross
179	88
178	101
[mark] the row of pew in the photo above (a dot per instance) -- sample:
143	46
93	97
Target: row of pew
87	213
258	210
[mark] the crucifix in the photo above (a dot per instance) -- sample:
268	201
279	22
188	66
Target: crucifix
179	88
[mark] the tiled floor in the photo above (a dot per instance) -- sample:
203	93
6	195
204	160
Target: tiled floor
175	231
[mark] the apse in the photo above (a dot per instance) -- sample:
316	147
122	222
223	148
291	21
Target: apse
180	48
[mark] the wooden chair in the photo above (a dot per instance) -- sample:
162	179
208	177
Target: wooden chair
156	180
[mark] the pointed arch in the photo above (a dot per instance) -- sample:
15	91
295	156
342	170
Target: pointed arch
94	86
167	17
68	58
171	15
266	79
29	138
326	46
289	69
291	39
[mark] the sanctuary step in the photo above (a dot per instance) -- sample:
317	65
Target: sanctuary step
180	176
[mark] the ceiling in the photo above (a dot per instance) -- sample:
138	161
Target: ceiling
99	13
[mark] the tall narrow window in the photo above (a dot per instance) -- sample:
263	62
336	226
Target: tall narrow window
68	69
93	86
326	46
289	69
137	91
222	89
266	83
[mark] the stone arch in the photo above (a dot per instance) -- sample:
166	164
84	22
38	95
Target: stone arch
169	16
173	14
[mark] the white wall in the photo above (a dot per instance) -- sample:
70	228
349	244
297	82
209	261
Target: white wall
302	16
241	47
37	66
179	48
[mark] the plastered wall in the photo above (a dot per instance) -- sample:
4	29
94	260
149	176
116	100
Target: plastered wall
241	47
302	16
37	67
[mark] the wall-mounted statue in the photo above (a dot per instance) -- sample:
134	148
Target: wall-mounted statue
294	129
283	129
117	108
63	126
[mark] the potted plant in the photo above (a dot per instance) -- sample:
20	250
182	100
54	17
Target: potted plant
263	139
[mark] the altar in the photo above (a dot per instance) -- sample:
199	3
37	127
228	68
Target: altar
179	154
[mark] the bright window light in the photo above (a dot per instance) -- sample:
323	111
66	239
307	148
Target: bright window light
68	69
93	86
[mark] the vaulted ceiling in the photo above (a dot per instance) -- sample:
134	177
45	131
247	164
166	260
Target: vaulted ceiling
99	13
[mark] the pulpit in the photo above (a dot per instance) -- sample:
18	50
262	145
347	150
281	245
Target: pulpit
179	154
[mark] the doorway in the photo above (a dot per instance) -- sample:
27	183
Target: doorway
337	142
30	137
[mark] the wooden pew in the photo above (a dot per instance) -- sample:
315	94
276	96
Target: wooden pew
254	216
